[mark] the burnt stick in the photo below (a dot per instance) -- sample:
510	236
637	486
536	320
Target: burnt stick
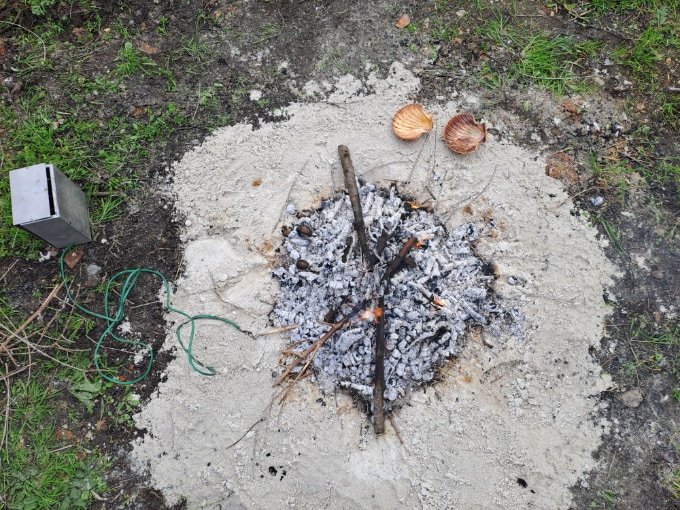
397	261
353	190
379	386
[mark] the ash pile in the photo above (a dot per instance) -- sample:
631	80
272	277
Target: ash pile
439	289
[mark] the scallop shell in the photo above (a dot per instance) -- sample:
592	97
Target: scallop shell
411	121
463	134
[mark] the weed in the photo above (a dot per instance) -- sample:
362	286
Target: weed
490	78
606	499
499	31
195	49
269	31
412	28
162	28
442	31
615	175
109	210
130	62
611	231
39	7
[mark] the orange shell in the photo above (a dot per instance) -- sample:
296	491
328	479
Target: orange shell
463	134
411	121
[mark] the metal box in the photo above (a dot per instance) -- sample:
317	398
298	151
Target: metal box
46	203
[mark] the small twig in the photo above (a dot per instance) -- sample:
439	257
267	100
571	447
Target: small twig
312	349
4	275
400	258
393	422
420	152
65	447
40	310
282	329
6	424
351	185
260	420
474	195
379	384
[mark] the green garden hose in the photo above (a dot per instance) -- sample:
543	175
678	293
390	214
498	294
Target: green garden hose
130	277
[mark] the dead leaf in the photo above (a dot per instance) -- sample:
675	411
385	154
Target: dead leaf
147	49
257	182
614	151
73	257
64	434
3	50
403	22
561	166
138	112
101	425
571	106
79	32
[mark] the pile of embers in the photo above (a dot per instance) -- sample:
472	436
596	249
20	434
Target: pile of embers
377	294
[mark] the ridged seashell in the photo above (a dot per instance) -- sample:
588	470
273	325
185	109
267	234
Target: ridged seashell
411	121
463	134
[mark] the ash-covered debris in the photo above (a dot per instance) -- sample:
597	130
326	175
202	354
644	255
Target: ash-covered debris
441	288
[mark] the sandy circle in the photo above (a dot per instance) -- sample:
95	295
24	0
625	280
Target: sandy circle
506	410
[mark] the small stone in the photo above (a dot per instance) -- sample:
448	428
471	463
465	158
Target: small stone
597	201
304	230
658	274
302	264
188	223
631	398
93	269
290	209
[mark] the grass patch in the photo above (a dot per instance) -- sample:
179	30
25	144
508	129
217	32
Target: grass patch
95	154
655	348
43	465
550	62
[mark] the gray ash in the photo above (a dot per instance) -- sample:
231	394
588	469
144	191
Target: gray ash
442	288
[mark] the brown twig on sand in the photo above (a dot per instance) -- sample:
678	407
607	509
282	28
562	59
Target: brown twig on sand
379	384
393	421
351	185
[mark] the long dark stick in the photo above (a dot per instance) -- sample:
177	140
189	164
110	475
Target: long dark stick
379	386
351	185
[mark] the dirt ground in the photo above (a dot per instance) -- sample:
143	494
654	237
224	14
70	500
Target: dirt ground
220	51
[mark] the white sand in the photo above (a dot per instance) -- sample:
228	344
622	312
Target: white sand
521	410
